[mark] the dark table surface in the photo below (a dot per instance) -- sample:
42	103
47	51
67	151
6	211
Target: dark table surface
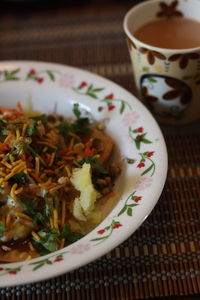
163	259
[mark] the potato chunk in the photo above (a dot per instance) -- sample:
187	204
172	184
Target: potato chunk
84	205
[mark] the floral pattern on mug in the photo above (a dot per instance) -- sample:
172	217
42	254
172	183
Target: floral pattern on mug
149	99
178	90
151	55
169	10
183	59
131	44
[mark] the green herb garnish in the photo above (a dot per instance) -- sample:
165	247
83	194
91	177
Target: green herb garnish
39	248
19	178
4	131
80	125
31	150
16	148
36	215
65	231
31	129
2	228
48	239
64	129
94	162
72	237
3	123
48	210
69	236
48	149
42	118
76	110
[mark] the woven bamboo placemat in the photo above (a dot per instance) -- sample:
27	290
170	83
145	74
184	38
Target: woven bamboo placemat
163	257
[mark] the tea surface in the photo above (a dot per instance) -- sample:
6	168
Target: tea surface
175	33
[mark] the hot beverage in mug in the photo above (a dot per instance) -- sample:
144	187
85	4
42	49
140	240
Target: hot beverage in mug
170	33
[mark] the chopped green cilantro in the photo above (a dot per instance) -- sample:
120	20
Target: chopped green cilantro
38	246
42	118
2	228
49	239
94	162
72	237
3	123
64	129
16	148
19	178
76	110
31	129
69	236
31	150
4	131
48	209
58	146
37	215
80	125
47	149
65	231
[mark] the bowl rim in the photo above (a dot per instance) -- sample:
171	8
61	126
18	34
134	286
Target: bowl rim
115	242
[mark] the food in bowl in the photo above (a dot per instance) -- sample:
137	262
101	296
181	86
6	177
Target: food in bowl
55	176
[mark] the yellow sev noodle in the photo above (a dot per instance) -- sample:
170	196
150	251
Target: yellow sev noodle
55	218
17	169
52	159
16	162
47	144
17	134
8	219
37	166
31	246
8	138
12	192
71	144
35	235
62	243
2	174
28	257
9	166
24	129
63	212
23	216
51	223
19	191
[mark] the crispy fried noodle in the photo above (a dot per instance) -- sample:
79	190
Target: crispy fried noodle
55	176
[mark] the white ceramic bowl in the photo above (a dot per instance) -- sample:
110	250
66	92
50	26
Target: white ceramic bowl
55	88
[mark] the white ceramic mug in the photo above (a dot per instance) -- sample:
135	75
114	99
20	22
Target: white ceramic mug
167	80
